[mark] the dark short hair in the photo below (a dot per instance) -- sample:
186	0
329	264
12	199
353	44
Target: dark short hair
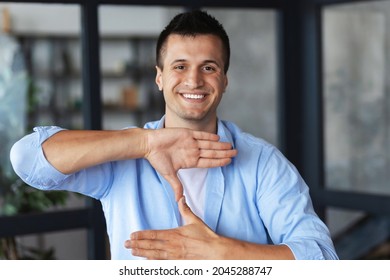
191	24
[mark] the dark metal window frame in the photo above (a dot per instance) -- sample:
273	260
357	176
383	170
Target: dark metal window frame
300	109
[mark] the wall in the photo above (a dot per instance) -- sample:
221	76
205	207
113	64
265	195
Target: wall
356	89
65	19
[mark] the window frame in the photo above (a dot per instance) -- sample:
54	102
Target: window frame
300	110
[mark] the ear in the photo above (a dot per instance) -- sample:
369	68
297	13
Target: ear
159	80
225	83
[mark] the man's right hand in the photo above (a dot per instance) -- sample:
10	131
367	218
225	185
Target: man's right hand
171	149
167	150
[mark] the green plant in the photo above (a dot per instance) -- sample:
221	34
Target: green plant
18	100
18	198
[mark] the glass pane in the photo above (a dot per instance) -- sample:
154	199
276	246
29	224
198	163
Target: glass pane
350	229
251	97
130	96
356	40
127	55
40	84
64	245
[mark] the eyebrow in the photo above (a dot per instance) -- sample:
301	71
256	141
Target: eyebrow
204	62
178	60
212	61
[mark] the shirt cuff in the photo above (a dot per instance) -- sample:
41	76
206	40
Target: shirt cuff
52	176
306	250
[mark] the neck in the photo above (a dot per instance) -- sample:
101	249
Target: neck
208	126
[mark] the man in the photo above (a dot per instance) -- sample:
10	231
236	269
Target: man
242	198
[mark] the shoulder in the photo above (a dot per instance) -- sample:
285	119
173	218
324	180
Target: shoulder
152	125
244	140
155	124
256	152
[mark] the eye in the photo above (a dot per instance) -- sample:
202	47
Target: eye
209	68
179	67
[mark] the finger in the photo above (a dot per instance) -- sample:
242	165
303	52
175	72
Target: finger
158	235
202	135
146	234
146	244
209	163
186	212
150	254
212	145
176	185
218	153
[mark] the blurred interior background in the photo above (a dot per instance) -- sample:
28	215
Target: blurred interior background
309	76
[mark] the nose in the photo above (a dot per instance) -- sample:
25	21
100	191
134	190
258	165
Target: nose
193	79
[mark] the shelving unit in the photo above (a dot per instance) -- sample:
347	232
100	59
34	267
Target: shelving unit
129	93
129	97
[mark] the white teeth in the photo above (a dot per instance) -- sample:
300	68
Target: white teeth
193	96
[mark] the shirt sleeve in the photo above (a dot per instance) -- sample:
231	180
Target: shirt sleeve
30	164
286	208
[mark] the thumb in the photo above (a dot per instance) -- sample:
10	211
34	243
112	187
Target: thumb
186	212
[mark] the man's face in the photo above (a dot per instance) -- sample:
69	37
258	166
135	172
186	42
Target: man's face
192	78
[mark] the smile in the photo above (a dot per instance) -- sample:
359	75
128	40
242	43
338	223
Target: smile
193	96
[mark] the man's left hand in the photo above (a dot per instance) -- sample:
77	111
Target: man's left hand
194	240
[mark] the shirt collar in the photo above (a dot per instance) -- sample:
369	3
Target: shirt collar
223	132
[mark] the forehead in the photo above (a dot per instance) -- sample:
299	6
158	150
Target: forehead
193	46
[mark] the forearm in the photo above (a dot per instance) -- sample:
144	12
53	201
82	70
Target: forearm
196	240
239	250
72	150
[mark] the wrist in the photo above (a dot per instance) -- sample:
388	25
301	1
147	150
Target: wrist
146	142
224	249
136	143
232	249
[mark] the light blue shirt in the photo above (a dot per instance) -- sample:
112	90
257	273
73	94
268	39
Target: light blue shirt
259	197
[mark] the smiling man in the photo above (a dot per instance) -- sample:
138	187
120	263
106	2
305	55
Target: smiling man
189	186
193	80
